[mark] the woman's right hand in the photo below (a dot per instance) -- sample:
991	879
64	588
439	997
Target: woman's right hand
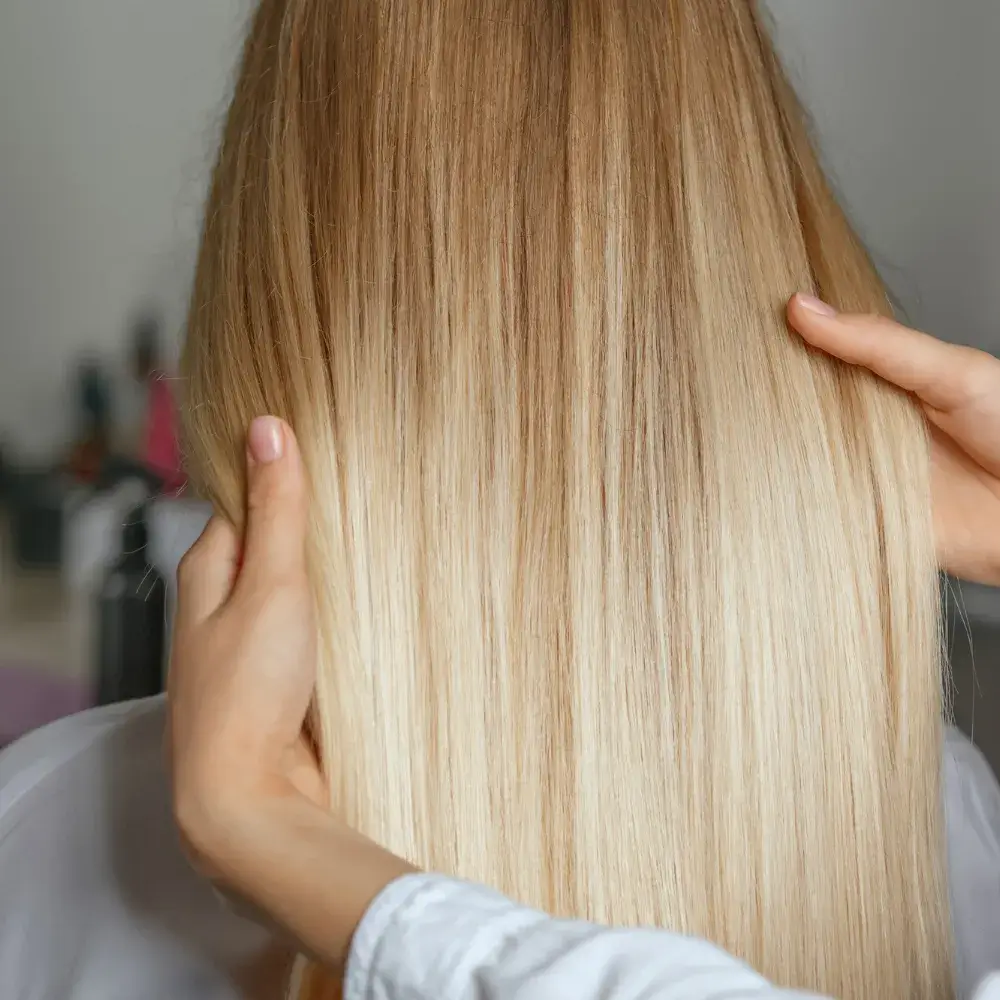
249	796
959	391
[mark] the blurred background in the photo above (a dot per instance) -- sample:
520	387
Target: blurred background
110	112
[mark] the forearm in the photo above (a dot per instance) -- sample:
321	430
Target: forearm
313	878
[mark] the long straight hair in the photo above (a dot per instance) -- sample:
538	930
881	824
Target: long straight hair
628	600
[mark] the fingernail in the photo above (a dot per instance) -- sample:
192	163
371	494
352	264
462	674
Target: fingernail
266	440
815	305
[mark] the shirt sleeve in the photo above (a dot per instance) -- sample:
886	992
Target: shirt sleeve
439	939
432	938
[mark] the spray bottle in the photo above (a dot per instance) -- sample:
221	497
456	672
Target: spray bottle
131	620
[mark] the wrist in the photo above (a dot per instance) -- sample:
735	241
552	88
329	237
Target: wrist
296	863
214	816
324	878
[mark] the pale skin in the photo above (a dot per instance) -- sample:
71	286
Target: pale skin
958	389
248	795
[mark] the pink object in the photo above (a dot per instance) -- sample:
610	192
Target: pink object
161	450
30	698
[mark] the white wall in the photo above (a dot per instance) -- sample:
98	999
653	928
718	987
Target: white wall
903	94
107	120
110	109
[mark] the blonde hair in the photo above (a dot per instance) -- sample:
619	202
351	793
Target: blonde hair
628	600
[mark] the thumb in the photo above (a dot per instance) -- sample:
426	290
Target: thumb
276	505
938	373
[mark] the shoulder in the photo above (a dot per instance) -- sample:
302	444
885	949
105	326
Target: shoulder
972	812
968	773
40	762
96	890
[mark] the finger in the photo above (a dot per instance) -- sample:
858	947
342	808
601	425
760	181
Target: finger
205	575
935	371
276	505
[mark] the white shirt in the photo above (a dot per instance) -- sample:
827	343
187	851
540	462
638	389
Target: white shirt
98	903
431	938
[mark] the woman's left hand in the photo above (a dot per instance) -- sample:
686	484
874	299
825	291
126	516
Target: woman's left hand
958	389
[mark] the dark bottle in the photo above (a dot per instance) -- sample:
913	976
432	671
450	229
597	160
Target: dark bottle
131	620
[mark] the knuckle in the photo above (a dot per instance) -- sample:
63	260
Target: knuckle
870	322
191	564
